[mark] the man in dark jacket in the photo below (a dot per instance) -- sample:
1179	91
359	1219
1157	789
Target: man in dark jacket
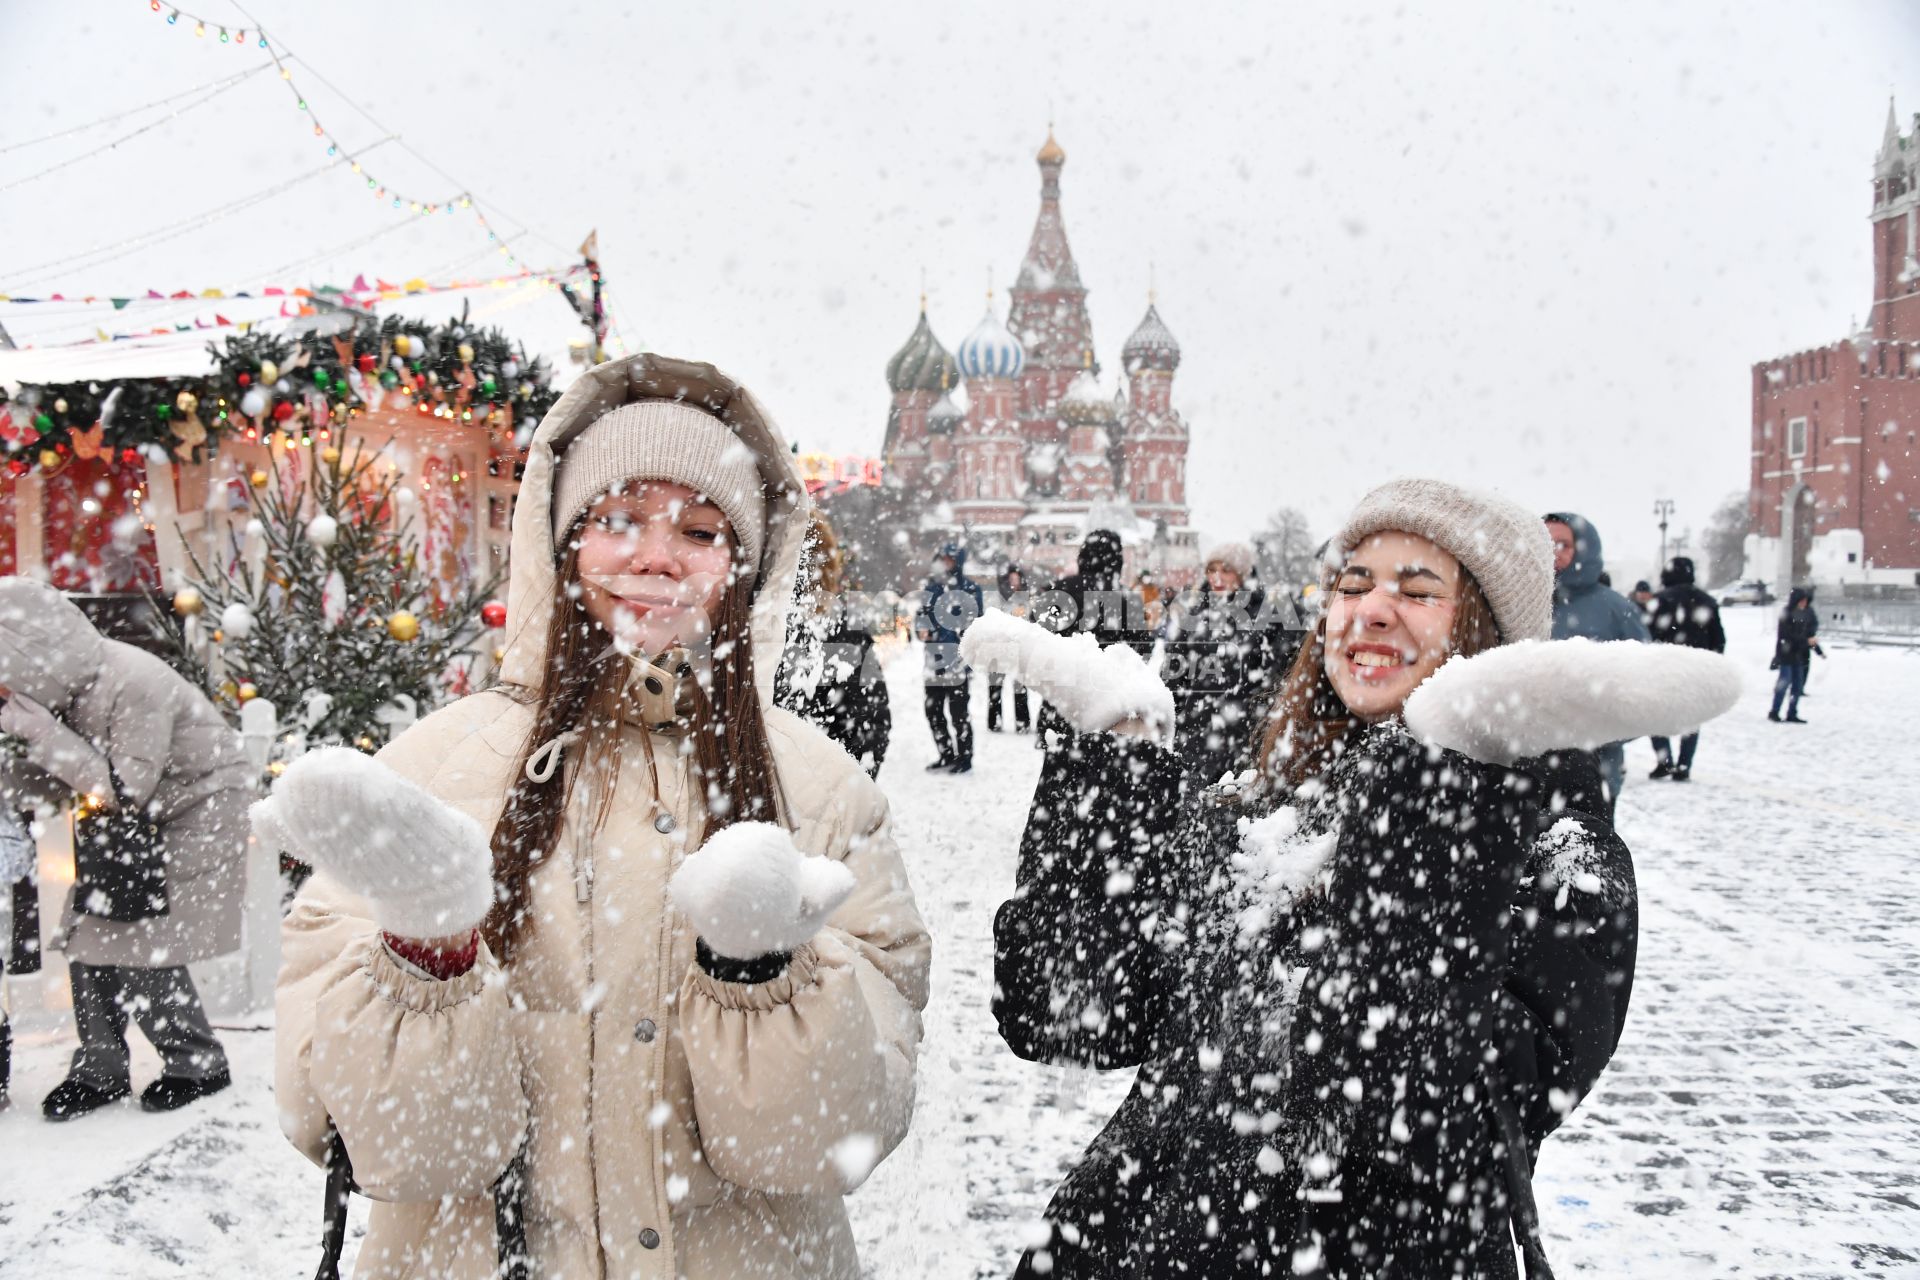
1683	614
1584	606
952	602
1010	598
1795	641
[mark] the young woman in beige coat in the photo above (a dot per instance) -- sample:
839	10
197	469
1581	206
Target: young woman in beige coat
618	914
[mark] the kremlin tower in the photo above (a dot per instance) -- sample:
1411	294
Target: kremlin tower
1043	452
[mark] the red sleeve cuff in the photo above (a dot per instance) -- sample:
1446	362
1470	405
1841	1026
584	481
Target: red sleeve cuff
441	963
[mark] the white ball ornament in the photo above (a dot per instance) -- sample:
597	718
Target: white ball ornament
237	621
254	403
323	531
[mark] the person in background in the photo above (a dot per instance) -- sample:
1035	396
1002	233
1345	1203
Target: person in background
1682	614
162	825
1009	597
1584	606
952	602
16	858
829	673
1796	640
1642	597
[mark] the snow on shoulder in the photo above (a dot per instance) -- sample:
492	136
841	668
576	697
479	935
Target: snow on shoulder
1094	689
1524	699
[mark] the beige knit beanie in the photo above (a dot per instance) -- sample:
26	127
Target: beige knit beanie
665	440
1502	544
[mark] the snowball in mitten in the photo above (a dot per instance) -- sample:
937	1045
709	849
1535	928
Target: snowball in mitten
425	867
1093	689
748	891
1537	696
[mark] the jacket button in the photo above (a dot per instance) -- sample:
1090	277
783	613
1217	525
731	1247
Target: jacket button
649	1238
663	824
644	1033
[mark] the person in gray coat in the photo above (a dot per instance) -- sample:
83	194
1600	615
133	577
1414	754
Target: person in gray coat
1583	605
161	789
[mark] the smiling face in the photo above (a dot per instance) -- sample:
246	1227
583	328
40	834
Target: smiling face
653	565
1390	622
1222	580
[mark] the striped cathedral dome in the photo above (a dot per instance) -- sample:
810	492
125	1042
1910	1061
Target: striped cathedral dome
990	351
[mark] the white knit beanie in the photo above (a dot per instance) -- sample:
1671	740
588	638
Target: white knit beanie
664	440
1237	556
1502	544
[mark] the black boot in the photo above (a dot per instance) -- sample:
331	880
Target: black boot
170	1093
1681	773
71	1098
942	765
1664	769
1793	717
1774	716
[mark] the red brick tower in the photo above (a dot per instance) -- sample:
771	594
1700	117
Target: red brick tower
989	482
1086	471
1834	490
1154	438
1049	313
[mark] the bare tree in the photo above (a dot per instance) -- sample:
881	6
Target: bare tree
1285	549
1725	540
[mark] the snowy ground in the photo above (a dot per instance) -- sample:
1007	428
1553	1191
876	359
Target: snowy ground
1761	1119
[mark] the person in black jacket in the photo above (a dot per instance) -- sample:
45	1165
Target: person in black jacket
830	672
952	602
1361	990
1682	614
1010	597
1796	640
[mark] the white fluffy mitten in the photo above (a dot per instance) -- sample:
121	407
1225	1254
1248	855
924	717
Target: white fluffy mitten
1093	689
1537	696
425	867
749	891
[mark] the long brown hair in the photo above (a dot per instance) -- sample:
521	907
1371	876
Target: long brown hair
584	689
1308	725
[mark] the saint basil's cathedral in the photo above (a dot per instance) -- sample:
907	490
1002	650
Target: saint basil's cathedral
1042	453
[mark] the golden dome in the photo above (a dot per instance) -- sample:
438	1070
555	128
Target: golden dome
1052	153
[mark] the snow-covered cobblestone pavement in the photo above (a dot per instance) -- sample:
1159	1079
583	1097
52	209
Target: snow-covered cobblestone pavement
1762	1118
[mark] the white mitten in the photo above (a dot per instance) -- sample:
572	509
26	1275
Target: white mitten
425	867
1093	689
749	892
1537	696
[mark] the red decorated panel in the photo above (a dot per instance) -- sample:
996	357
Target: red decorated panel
96	538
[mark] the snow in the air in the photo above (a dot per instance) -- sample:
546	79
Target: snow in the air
1760	1118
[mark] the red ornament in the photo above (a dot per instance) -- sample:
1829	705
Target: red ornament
129	456
494	614
246	379
283	411
367	362
18	467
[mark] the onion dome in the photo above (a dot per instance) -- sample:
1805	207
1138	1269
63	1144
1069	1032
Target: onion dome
1085	404
922	364
1152	345
991	352
1052	152
944	417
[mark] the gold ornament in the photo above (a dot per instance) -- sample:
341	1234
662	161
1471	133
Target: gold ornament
186	402
402	344
187	602
246	692
499	654
60	405
258	479
269	371
228	689
363	742
329	455
49	459
403	626
466	354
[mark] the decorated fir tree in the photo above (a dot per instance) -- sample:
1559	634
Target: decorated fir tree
331	616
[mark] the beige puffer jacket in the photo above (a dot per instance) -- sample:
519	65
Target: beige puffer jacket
676	1125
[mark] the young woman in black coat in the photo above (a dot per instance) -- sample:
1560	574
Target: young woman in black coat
1360	992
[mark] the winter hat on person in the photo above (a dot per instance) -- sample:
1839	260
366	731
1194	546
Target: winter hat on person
1504	546
1237	556
1678	573
664	440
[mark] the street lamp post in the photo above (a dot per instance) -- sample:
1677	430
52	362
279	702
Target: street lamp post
1663	507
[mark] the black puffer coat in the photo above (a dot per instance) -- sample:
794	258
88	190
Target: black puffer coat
1224	660
1796	636
1683	613
1324	1135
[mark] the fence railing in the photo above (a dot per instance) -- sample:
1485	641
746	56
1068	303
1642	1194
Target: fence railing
1893	622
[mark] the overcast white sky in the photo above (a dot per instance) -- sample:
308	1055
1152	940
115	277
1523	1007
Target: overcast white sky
1533	247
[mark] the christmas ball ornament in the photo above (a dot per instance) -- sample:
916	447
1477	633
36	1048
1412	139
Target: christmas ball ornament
511	369
323	531
256	528
403	626
60	405
269	371
322	379
389	379
284	387
526	391
237	620
330	455
402	344
186	402
366	362
42	423
163	411
466	354
493	613
499	655
246	692
258	479
49	459
228	689
245	379
489	388
283	411
187	602
254	403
